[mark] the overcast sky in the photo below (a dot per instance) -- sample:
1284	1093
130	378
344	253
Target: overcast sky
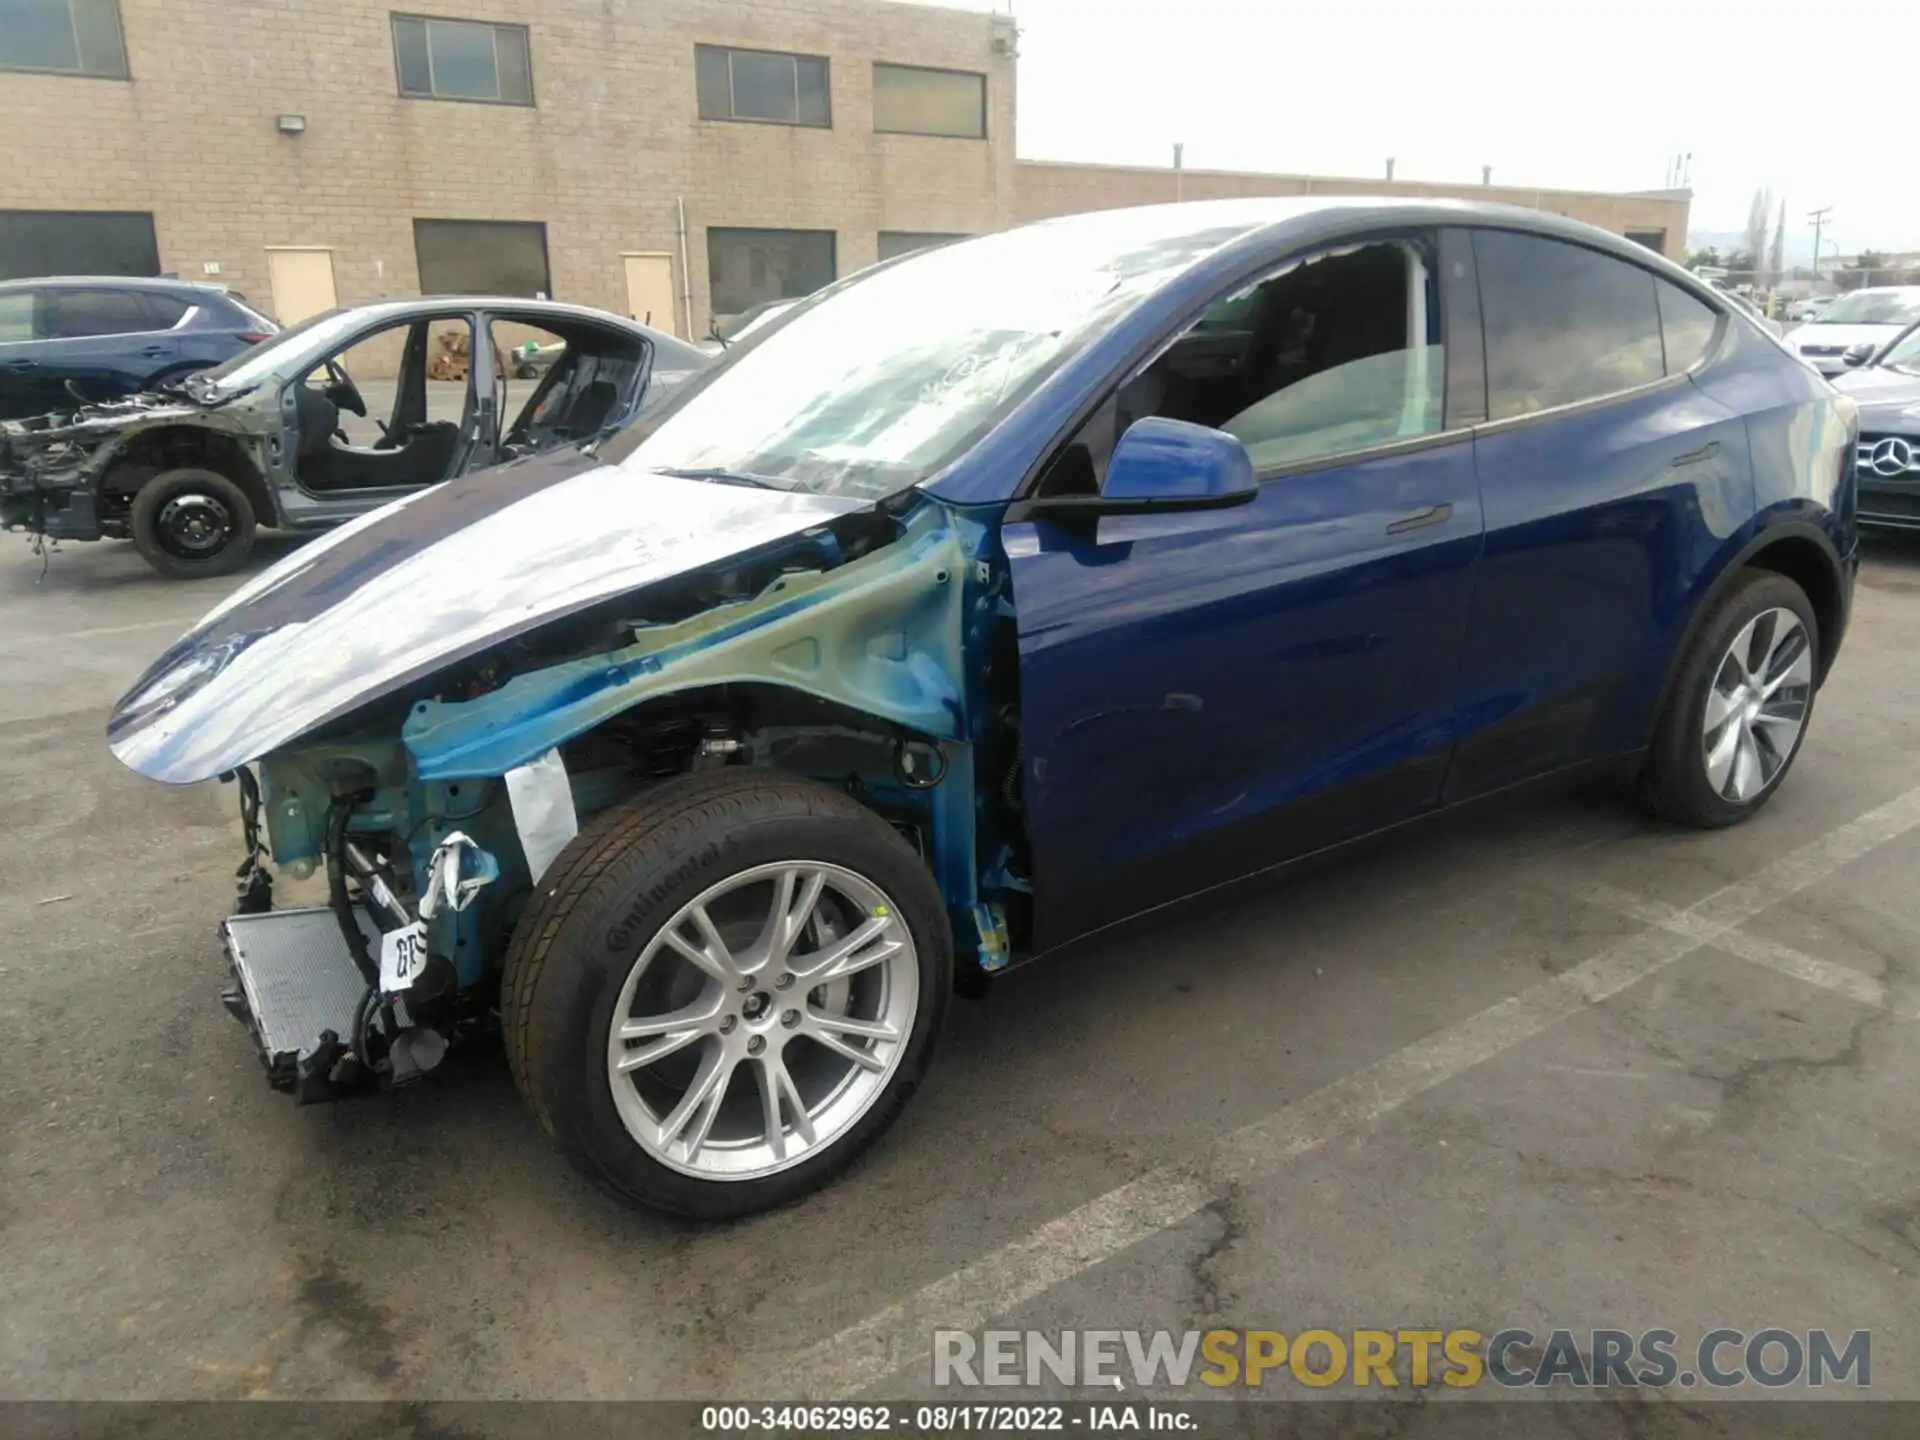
1557	93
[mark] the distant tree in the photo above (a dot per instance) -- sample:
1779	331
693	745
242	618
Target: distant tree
1777	256
1759	222
1709	257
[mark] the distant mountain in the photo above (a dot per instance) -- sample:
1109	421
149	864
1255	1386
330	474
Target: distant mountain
1798	248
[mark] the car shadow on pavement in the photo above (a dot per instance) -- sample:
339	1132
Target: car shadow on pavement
80	568
1012	1068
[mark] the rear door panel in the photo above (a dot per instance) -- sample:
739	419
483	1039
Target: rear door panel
1603	510
1597	525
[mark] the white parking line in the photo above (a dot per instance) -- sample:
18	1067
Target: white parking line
1854	984
999	1282
58	637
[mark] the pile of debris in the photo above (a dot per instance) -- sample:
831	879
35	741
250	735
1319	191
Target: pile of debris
452	356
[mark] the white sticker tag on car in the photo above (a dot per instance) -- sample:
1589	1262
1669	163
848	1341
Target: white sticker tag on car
403	955
542	800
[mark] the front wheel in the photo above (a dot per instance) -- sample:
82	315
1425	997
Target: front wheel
724	991
1739	708
192	523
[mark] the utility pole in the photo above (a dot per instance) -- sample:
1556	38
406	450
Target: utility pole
1389	167
1179	152
1819	219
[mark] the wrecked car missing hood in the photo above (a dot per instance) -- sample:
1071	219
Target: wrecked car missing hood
282	434
940	623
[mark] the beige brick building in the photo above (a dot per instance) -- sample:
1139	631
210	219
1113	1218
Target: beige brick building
1657	218
678	157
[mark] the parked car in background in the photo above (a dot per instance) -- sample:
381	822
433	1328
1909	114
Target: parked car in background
737	327
284	435
76	339
1752	311
1808	308
1000	594
1887	388
1862	321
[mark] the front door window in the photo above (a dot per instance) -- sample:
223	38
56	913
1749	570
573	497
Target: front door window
388	411
1335	354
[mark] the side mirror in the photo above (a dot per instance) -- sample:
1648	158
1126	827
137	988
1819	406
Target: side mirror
1857	354
1165	465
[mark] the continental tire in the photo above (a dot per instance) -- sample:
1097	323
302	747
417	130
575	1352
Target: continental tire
723	991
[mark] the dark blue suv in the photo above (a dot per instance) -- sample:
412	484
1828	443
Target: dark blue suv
104	337
993	596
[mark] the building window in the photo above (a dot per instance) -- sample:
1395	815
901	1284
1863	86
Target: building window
750	267
64	37
761	85
76	242
1654	240
462	60
482	257
912	101
904	242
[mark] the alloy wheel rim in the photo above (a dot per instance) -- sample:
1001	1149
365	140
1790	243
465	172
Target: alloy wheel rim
194	526
761	1022
1757	705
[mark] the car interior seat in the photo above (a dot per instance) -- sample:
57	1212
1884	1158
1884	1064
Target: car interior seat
316	417
590	411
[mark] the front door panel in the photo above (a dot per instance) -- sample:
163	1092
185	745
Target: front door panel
1206	694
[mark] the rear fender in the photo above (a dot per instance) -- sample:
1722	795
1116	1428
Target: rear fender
1808	534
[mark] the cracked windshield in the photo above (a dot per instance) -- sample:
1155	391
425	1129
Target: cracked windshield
958	717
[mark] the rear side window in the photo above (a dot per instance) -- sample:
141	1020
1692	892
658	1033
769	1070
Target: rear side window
16	316
235	311
1563	323
163	311
1688	325
74	314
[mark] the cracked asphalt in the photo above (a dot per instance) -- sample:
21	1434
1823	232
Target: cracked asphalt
1550	1067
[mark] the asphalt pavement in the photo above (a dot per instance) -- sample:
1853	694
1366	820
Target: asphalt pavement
1551	1067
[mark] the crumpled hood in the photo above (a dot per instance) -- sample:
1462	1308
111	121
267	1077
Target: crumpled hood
425	582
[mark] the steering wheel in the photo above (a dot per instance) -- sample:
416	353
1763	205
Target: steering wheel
343	392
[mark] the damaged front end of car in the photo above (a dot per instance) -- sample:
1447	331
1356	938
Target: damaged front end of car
845	644
52	467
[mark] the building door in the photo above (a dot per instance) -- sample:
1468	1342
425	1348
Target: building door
302	281
650	290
